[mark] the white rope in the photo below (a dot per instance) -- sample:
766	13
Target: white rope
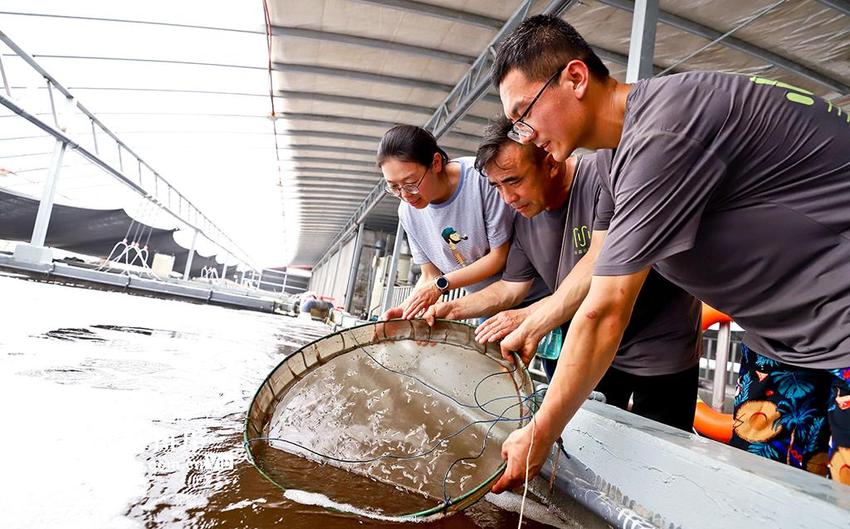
527	463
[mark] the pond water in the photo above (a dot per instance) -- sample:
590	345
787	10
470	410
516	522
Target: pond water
127	411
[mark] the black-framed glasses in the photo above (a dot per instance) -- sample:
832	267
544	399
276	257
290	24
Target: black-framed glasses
521	131
410	189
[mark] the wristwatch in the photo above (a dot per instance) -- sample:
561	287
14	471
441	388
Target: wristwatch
442	284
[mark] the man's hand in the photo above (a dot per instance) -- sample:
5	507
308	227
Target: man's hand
521	341
419	301
515	451
391	314
500	325
437	311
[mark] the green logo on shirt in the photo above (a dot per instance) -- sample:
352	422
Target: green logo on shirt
800	96
581	240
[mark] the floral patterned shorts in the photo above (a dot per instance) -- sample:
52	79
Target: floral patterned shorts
795	415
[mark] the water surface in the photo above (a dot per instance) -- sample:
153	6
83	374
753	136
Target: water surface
127	411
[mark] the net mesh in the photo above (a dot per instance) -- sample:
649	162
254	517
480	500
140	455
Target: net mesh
395	418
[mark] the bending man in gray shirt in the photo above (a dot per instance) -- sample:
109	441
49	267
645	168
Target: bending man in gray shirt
734	188
562	222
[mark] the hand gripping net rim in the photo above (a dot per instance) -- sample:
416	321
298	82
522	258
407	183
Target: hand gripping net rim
292	368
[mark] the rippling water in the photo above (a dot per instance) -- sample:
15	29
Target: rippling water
126	411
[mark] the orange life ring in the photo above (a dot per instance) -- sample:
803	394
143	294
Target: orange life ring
711	423
710	316
708	421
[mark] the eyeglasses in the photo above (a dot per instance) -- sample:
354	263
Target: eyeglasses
410	189
521	131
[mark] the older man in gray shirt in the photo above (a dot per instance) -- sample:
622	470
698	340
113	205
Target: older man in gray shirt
563	217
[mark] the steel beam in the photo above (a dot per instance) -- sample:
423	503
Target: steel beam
336	275
355	267
350	172
317	159
320	197
390	286
360	75
191	256
367	42
6	86
445	13
619	58
45	205
329	148
323	215
330	135
315	176
359	122
367	102
328	190
466	92
642	41
332	187
721	369
694	28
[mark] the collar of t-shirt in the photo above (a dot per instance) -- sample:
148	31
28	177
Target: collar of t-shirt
457	190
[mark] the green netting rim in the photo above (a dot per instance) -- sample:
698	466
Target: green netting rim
457	502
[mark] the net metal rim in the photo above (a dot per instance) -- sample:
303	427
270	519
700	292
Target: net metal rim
455	504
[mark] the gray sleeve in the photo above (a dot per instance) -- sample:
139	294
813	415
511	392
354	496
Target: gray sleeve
660	193
519	267
498	216
417	255
604	210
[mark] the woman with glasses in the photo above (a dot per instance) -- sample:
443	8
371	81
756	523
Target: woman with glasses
458	228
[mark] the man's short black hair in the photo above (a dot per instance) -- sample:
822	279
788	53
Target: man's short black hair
495	137
541	45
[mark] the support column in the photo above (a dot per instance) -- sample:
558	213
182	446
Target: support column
6	86
721	358
336	271
35	252
224	271
190	257
355	266
45	206
285	275
642	43
388	291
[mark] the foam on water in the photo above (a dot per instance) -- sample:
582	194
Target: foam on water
320	500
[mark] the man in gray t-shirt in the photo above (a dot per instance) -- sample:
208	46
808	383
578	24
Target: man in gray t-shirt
735	188
564	214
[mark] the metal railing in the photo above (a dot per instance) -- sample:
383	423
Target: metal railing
146	182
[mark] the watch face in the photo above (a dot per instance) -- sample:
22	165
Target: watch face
442	283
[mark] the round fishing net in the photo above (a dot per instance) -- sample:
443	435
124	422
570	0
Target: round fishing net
394	419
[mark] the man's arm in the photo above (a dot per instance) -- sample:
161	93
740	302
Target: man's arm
558	308
486	302
588	351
